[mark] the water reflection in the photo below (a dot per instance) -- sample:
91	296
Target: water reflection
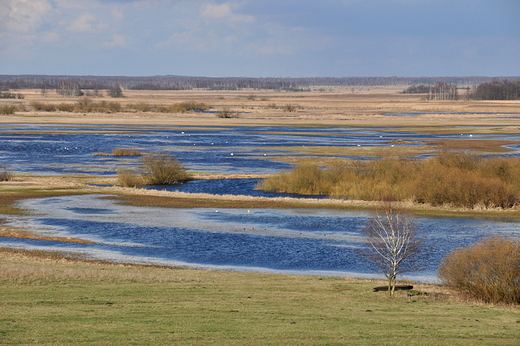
269	240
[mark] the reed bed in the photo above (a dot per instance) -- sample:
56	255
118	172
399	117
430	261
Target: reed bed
87	105
449	179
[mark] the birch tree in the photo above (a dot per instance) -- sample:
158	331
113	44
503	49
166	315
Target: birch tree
392	244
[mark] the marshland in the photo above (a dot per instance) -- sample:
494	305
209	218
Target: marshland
282	187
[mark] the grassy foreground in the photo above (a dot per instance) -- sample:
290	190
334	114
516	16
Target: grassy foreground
61	302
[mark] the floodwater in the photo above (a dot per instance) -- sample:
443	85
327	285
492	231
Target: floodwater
304	241
65	149
318	242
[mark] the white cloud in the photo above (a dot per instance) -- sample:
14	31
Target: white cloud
83	23
224	12
118	41
23	15
51	37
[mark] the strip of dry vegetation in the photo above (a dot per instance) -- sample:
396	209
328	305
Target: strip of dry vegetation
21	234
118	152
455	180
87	105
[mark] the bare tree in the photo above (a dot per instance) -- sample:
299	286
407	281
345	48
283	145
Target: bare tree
115	91
392	246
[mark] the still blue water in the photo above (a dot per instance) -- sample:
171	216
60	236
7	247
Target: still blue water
62	149
303	241
291	240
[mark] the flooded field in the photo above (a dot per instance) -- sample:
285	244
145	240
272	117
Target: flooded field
301	241
321	242
50	149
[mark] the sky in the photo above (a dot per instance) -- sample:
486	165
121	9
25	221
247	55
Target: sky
261	38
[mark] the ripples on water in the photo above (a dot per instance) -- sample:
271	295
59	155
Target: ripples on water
291	240
64	149
295	240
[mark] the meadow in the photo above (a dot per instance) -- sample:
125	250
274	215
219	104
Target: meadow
51	298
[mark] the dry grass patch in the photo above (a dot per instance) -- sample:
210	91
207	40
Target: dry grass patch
21	234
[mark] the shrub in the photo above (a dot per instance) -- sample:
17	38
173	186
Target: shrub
192	106
84	104
128	178
108	107
126	152
488	270
226	113
140	107
454	180
45	107
7	110
163	169
289	108
65	107
5	172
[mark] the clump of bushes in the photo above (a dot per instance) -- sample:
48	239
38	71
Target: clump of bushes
128	178
7	110
488	270
226	113
290	108
86	105
44	107
10	95
163	169
121	152
456	180
65	107
126	152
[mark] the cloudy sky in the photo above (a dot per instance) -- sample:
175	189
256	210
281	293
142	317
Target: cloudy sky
261	38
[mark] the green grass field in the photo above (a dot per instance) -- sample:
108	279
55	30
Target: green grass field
57	302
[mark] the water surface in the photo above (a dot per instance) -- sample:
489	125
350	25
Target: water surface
301	241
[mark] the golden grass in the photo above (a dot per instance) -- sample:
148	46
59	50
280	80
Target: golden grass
21	234
340	107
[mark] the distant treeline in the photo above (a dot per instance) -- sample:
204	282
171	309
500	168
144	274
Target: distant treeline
47	82
497	90
493	90
437	91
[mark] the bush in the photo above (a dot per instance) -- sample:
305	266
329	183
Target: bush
126	152
65	107
289	108
139	107
452	180
7	110
226	113
84	104
45	107
488	270
128	178
163	169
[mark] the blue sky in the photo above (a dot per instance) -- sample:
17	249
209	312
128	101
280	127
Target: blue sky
261	38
